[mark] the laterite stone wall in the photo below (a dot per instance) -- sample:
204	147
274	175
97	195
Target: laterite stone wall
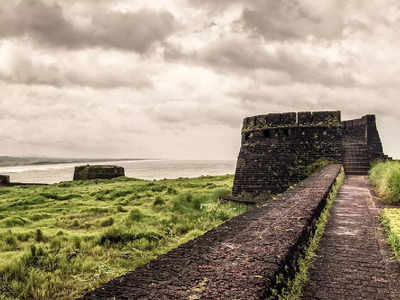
276	148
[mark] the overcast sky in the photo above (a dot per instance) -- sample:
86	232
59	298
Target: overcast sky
175	78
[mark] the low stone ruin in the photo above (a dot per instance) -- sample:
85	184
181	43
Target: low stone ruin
98	172
4	180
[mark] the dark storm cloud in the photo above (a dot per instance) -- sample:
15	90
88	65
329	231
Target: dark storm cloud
289	20
179	114
283	20
23	67
237	57
49	24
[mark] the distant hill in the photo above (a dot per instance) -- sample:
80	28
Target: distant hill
7	161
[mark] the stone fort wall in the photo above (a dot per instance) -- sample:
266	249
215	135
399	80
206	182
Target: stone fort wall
276	148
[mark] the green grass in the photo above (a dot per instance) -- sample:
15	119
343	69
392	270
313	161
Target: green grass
385	176
294	287
59	241
390	219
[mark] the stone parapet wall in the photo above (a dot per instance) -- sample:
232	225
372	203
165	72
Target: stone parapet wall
292	119
239	259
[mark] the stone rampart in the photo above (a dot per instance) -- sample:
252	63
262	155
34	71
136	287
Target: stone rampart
239	259
276	148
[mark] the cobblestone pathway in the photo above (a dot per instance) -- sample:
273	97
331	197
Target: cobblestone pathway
353	260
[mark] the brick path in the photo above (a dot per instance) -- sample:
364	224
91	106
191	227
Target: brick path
353	260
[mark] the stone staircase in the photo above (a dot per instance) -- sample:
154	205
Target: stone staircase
356	161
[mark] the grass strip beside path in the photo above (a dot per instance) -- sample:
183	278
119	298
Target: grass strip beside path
295	286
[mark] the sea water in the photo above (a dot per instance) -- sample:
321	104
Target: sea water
143	169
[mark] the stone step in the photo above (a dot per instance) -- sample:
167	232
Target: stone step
355	148
356	173
364	158
355	151
363	167
361	158
357	167
355	161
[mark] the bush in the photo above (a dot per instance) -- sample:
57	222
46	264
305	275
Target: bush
171	191
385	176
39	236
135	215
14	221
121	209
158	201
118	235
107	222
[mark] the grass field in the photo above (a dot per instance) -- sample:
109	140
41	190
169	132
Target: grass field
58	241
385	176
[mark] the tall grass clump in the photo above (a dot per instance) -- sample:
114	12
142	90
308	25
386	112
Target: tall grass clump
390	220
385	176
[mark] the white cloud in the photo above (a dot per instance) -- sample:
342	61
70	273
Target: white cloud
175	78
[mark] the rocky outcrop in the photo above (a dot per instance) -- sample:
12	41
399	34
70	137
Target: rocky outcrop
98	172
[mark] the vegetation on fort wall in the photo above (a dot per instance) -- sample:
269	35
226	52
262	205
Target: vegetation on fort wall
385	176
59	241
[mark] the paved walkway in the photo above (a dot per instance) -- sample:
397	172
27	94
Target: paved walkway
353	260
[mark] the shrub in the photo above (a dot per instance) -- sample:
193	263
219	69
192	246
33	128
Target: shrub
10	240
116	235
158	201
385	176
107	222
14	221
59	197
39	236
171	191
135	215
121	209
23	237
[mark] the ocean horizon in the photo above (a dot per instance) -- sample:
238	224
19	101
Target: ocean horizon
142	169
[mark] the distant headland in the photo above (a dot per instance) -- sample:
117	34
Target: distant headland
8	161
